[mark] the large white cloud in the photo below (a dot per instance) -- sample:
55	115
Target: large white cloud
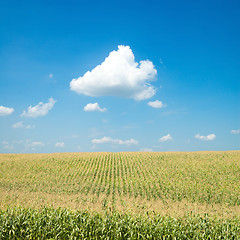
157	104
41	109
236	131
119	75
90	107
115	141
205	138
4	111
165	138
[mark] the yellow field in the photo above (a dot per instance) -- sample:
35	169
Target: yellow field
167	183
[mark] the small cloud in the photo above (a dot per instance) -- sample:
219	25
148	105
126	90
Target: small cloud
115	141
37	144
161	62
205	138
165	138
50	75
30	126
18	125
21	125
119	75
90	107
59	144
4	111
6	145
237	131
41	109
146	150
156	104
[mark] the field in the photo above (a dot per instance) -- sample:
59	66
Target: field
177	187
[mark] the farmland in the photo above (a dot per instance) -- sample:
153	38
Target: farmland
171	185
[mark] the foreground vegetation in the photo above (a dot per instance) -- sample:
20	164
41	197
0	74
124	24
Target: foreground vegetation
63	224
120	195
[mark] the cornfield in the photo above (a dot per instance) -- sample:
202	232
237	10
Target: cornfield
64	224
150	194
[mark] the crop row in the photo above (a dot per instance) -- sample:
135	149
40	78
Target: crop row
205	177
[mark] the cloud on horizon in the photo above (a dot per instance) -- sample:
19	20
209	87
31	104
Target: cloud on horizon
118	75
7	145
36	144
41	109
209	137
4	111
146	150
115	141
90	107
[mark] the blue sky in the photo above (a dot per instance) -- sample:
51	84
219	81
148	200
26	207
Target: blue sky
149	75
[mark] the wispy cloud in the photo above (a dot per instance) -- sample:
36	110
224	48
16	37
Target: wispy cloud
7	145
60	144
21	125
165	138
119	75
205	138
90	107
115	141
236	131
146	150
36	144
41	109
156	104
4	111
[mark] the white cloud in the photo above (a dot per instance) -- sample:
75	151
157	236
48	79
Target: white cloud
115	141
37	144
6	145
119	75
50	75
30	126
146	150
90	107
25	145
157	104
41	109
59	144
18	125
205	138
165	138
4	111
21	125
237	131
